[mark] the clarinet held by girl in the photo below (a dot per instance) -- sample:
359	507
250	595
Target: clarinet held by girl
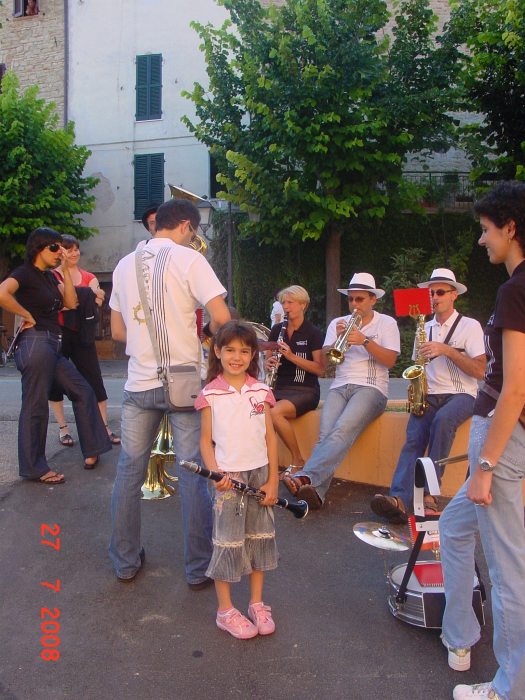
237	438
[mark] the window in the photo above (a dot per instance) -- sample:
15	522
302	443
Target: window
25	8
149	87
149	182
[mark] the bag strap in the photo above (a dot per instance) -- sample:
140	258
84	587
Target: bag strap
451	331
161	371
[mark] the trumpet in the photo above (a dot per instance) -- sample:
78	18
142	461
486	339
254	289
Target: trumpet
336	355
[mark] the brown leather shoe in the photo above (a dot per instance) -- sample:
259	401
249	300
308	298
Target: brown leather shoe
390	507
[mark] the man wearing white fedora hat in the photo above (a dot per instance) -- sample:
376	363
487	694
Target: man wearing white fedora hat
455	353
359	391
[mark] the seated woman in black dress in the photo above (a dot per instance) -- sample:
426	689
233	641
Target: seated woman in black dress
32	292
297	386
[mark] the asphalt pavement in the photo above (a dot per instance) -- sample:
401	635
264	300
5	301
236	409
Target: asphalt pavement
155	639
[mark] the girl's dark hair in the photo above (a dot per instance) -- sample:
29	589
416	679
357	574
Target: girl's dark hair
69	241
504	203
233	330
39	239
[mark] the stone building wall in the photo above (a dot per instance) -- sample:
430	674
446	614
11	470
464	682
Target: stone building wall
33	47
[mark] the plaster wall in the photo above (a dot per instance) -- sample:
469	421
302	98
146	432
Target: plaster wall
105	39
33	47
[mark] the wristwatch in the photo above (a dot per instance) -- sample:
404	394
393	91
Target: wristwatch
485	465
365	342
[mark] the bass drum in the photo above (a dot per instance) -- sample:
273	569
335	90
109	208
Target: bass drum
425	602
262	333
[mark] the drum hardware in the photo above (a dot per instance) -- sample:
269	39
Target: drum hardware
157	486
381	537
416	592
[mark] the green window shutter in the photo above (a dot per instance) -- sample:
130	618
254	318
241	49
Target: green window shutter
149	182
149	87
155	83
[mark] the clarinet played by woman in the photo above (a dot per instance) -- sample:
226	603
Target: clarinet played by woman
296	388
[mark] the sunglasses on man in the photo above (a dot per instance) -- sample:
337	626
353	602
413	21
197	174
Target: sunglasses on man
53	247
440	292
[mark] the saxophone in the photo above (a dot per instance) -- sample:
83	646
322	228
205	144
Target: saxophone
336	355
271	377
417	374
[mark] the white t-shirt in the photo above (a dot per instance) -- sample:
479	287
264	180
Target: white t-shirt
443	376
178	281
238	423
359	366
277	308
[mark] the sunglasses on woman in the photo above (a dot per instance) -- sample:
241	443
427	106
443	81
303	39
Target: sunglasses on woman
440	292
53	247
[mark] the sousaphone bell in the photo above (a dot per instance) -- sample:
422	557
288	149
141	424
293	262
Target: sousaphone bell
157	484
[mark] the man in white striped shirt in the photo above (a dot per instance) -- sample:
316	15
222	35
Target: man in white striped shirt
455	353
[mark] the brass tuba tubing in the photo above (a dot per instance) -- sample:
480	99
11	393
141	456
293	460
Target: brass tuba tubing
298	510
156	486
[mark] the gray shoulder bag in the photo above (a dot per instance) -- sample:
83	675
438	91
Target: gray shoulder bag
181	383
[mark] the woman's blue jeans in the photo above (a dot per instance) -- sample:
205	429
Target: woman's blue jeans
500	526
40	362
142	412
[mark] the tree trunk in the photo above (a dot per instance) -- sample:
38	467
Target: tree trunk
333	272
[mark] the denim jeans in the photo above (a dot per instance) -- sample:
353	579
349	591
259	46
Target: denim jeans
436	428
346	412
500	526
142	412
40	362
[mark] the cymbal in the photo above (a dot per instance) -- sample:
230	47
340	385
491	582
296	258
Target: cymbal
381	536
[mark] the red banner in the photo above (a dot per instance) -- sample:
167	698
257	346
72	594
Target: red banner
412	302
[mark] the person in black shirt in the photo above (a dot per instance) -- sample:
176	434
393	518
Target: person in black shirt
32	292
297	385
490	502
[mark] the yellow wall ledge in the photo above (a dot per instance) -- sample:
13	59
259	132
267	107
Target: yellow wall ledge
373	457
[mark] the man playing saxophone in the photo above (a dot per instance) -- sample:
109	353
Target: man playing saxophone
454	355
359	391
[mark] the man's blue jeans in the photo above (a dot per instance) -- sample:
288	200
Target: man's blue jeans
500	526
346	412
436	428
40	362
141	415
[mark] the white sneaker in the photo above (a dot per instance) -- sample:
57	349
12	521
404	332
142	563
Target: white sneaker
480	691
458	658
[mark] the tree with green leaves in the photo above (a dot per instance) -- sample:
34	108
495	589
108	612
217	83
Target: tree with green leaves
311	111
41	172
489	36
